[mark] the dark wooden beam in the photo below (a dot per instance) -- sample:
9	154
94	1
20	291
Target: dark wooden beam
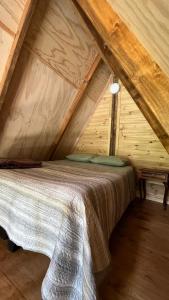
142	77
112	149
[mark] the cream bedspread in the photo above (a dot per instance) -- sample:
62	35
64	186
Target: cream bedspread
67	211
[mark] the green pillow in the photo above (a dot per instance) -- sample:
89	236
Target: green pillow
83	157
109	160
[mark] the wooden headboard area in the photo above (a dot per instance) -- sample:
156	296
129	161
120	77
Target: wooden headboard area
135	138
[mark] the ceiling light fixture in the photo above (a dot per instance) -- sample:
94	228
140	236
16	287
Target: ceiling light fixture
115	88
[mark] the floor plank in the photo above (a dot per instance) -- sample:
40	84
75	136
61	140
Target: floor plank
140	260
140	255
21	274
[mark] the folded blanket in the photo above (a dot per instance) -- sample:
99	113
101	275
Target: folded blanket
19	164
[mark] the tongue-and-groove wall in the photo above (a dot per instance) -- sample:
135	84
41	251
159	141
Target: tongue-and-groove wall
97	135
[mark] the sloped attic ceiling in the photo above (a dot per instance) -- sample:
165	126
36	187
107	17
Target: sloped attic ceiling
50	89
57	60
149	21
145	80
15	17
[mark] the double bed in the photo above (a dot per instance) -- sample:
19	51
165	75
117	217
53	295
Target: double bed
67	211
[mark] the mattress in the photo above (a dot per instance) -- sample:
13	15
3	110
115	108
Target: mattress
67	211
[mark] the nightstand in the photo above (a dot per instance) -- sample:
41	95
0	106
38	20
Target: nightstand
155	175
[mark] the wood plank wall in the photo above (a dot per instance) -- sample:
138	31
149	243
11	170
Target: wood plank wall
149	21
57	54
96	136
136	140
134	137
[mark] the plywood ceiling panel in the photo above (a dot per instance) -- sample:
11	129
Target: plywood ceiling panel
85	109
10	14
15	16
36	105
6	41
60	39
149	21
58	58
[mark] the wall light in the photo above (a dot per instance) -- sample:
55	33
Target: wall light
115	88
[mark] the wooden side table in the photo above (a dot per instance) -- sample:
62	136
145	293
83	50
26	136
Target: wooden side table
155	175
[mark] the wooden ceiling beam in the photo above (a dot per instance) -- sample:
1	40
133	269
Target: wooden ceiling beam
143	78
84	111
71	111
16	46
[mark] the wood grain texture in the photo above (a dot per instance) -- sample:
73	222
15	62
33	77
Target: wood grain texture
134	65
60	39
10	14
41	97
35	107
6	42
112	147
96	136
70	111
140	255
149	21
135	138
21	274
85	109
12	54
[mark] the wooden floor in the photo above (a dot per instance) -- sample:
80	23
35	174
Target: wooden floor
140	261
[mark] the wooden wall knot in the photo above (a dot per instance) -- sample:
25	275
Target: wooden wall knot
116	24
105	46
156	70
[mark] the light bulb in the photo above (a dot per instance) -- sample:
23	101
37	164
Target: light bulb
115	88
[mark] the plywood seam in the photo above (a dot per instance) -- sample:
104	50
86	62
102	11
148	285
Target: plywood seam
49	65
84	110
7	29
73	108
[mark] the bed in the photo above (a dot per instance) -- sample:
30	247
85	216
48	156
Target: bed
67	211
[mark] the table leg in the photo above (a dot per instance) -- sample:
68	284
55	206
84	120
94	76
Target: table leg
165	199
